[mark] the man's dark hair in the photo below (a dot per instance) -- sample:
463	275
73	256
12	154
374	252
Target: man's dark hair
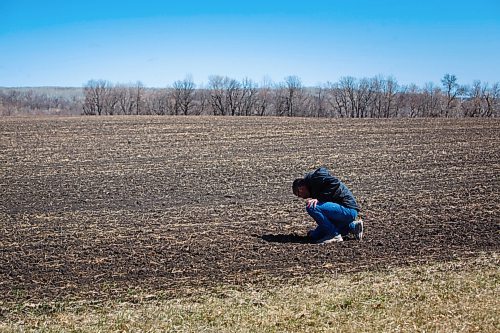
296	183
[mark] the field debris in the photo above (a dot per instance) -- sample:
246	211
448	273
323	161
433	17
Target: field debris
93	208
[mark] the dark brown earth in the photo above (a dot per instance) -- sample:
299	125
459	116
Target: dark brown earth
96	208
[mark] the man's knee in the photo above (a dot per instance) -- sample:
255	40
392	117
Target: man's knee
311	209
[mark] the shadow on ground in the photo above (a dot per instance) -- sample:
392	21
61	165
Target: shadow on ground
294	238
285	238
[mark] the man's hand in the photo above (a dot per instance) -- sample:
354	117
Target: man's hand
312	203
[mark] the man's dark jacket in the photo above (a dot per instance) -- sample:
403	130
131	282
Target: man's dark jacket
327	188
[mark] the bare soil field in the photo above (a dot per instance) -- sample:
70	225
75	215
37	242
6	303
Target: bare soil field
99	208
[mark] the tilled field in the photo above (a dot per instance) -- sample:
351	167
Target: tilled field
93	208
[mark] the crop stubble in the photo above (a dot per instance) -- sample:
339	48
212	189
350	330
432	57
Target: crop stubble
99	207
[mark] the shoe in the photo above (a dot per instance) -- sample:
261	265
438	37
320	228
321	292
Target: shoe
330	239
358	229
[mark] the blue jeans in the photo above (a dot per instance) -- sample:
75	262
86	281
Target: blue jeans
332	219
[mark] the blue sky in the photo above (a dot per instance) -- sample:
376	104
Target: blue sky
67	43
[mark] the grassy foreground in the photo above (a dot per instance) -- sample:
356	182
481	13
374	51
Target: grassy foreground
446	297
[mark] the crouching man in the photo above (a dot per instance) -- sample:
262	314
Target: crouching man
331	204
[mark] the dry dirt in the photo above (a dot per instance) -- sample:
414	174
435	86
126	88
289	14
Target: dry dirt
100	207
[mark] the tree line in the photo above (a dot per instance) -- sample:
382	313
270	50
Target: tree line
376	97
42	100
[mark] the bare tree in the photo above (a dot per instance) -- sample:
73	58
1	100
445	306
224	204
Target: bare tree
337	99
357	98
347	89
96	97
294	87
481	100
225	95
390	89
248	97
280	97
11	101
138	96
452	89
385	92
157	102
431	98
234	96
492	99
201	101
364	97
111	102
183	95
412	100
264	97
125	98
216	85
320	101
472	106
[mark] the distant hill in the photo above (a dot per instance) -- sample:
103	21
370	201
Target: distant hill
62	92
41	101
